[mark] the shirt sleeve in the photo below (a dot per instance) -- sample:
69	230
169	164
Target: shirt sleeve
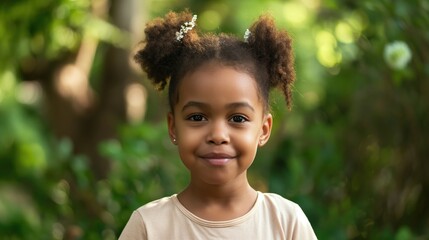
302	228
135	228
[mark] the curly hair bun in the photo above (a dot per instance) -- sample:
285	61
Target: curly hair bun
273	48
172	48
161	50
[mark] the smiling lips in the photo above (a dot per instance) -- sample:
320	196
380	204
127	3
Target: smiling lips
217	159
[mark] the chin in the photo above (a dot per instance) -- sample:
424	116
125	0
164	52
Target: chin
217	181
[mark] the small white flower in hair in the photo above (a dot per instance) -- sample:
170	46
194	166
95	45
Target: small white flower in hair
187	26
247	35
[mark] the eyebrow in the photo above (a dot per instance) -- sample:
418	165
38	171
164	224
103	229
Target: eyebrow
230	105
240	105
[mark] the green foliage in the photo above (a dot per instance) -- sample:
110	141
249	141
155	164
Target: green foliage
350	168
48	28
65	199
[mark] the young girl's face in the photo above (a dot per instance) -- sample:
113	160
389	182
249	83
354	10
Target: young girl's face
218	123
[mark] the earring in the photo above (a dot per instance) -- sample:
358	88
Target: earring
174	140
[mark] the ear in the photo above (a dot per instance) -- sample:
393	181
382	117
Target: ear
267	125
171	128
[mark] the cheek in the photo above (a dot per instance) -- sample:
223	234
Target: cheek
248	139
188	138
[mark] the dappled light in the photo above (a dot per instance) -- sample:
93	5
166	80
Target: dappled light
72	83
29	92
296	14
344	32
136	102
210	20
327	54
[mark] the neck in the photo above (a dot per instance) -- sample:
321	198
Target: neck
218	202
204	192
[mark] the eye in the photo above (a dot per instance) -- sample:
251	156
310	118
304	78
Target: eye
238	119
196	118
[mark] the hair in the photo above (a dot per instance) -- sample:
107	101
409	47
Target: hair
266	55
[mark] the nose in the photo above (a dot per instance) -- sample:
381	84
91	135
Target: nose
218	133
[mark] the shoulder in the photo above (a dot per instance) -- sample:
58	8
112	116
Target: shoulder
139	225
288	214
273	200
157	206
283	206
134	229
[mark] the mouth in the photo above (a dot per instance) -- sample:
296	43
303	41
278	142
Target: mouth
217	159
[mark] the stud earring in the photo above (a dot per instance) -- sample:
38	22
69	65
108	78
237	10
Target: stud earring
174	140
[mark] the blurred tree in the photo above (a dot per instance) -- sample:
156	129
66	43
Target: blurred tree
66	62
83	111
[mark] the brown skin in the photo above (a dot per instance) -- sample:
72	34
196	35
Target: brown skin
218	123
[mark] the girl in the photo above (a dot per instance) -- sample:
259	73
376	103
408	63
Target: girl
218	94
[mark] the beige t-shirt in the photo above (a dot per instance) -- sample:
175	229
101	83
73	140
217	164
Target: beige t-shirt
272	217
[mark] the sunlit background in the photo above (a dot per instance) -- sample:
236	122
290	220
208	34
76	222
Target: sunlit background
83	137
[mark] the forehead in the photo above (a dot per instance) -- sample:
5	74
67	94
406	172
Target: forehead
215	83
